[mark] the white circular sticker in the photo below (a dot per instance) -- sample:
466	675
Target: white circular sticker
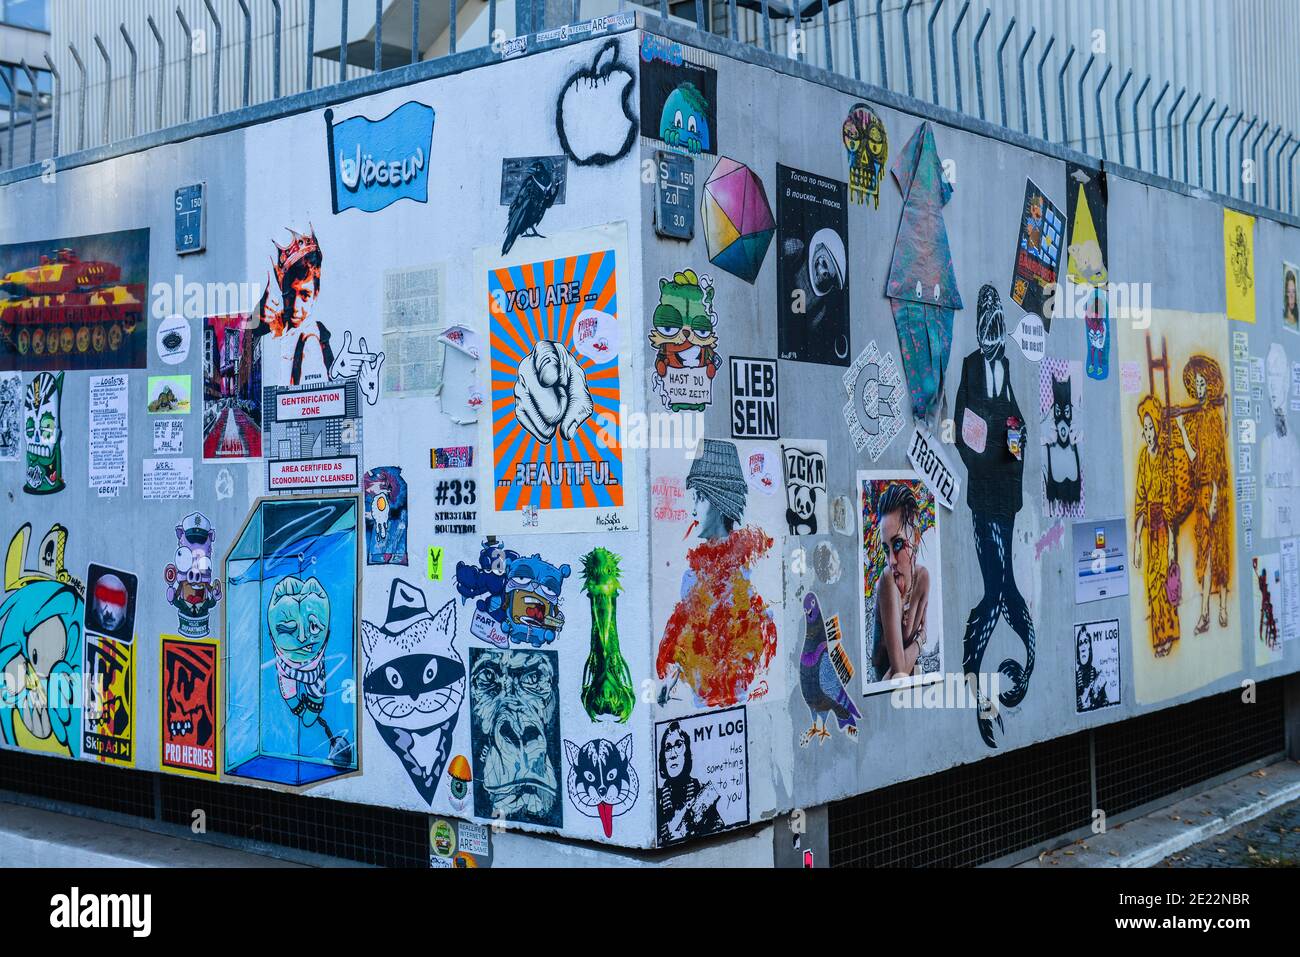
173	340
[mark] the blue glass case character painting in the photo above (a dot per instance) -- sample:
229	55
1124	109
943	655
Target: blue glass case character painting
290	648
75	303
515	734
385	516
191	589
374	163
40	647
414	683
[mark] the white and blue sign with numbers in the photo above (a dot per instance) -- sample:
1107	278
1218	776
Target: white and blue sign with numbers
191	219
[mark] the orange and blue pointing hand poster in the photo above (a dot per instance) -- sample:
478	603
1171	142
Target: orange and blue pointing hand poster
558	359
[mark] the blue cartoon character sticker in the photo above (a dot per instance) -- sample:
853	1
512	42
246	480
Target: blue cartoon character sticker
519	597
685	122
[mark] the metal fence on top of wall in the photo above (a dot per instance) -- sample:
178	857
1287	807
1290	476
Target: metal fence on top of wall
1114	81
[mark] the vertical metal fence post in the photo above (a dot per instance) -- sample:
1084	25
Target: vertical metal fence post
33	101
1214	148
1119	114
979	66
880	39
12	87
797	33
57	112
415	32
108	88
1060	84
1277	168
379	33
1241	159
1083	106
1268	148
1227	153
1169	134
1101	124
162	73
767	24
81	97
853	34
907	45
130	95
215	52
735	27
1200	143
343	41
1187	156
248	51
956	53
1042	87
453	27
1137	124
1155	143
1020	80
189	63
311	42
1002	77
275	47
1254	167
826	33
1290	179
934	59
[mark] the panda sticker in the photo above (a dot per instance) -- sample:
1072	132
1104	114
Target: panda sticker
805	487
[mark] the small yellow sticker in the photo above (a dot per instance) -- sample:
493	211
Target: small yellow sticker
435	563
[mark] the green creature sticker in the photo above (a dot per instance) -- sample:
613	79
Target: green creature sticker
606	681
41	404
685	341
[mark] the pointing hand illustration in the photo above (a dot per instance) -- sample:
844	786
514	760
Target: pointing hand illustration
551	393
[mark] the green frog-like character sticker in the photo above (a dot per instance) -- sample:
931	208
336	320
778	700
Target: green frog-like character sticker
685	342
41	402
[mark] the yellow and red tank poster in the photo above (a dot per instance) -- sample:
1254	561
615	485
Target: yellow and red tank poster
189	706
75	303
109	716
559	354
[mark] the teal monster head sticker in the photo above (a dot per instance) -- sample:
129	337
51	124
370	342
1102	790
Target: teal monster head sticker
684	122
41	402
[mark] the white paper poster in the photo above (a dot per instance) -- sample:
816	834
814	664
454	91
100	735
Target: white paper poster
1290	562
169	437
168	479
108	431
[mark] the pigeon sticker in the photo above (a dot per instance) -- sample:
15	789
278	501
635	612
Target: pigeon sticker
685	339
414	683
825	674
601	782
556	376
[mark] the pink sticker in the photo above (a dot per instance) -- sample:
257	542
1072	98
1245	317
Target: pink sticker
1130	378
974	432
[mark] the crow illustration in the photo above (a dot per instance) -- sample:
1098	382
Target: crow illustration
535	196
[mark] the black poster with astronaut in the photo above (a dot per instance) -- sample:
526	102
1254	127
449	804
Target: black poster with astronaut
812	237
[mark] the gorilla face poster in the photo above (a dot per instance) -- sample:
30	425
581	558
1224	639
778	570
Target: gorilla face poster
813	268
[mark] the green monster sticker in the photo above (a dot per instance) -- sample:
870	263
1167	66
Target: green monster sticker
41	404
606	680
685	342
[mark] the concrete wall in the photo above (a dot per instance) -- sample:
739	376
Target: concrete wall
267	178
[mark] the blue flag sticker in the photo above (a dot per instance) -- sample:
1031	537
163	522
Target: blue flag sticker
374	163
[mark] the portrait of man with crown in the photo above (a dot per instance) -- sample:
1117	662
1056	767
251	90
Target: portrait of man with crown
307	350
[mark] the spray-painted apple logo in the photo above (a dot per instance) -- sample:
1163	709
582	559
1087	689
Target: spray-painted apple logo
593	115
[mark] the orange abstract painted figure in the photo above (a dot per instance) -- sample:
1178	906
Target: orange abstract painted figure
1155	543
721	635
1205	438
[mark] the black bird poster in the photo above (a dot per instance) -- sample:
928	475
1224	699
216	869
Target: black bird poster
813	267
530	186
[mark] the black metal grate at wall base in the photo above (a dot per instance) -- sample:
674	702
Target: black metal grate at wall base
980	812
254	818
